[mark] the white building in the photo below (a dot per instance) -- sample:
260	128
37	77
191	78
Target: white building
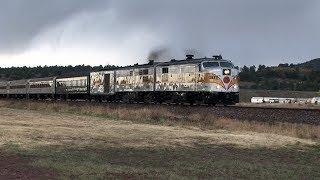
315	100
259	100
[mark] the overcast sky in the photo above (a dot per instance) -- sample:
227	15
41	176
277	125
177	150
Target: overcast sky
121	32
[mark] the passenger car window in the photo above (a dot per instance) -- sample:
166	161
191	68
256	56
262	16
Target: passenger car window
165	70
143	72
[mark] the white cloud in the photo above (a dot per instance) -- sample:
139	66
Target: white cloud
87	38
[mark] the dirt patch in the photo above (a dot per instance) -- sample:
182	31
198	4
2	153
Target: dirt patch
16	167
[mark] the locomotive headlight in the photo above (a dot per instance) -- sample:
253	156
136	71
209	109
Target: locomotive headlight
226	72
235	86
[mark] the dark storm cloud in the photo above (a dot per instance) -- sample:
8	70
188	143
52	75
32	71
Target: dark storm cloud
247	31
250	30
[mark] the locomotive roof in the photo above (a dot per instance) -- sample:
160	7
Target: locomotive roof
189	61
167	63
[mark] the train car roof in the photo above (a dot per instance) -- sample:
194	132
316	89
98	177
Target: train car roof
42	79
75	77
19	81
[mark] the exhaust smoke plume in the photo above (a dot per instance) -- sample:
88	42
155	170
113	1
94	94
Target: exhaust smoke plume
160	55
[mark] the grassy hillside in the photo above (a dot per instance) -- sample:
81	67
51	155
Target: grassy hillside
300	77
313	64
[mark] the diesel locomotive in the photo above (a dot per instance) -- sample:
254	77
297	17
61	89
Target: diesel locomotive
192	80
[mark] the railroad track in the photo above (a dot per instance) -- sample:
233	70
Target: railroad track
243	113
261	114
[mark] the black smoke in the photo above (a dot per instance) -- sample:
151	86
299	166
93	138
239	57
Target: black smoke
160	54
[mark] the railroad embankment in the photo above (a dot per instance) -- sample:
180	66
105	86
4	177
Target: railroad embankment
299	123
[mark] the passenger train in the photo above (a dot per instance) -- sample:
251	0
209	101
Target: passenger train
211	81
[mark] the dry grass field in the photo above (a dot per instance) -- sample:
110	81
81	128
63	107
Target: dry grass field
57	140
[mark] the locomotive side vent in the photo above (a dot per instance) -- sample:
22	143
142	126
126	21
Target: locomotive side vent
217	57
189	56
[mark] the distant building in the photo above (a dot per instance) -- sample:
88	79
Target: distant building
315	100
260	100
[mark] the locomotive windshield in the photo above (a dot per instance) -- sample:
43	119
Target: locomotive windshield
226	64
218	64
210	64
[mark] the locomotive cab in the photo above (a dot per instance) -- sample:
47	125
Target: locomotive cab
221	78
220	68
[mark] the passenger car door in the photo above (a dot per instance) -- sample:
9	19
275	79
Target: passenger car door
107	83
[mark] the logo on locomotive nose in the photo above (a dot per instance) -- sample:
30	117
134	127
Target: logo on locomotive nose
226	80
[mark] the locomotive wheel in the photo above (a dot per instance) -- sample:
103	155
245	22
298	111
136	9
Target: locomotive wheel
128	98
189	100
176	98
210	100
149	98
125	99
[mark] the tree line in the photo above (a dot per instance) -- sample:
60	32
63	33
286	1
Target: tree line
282	77
15	73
